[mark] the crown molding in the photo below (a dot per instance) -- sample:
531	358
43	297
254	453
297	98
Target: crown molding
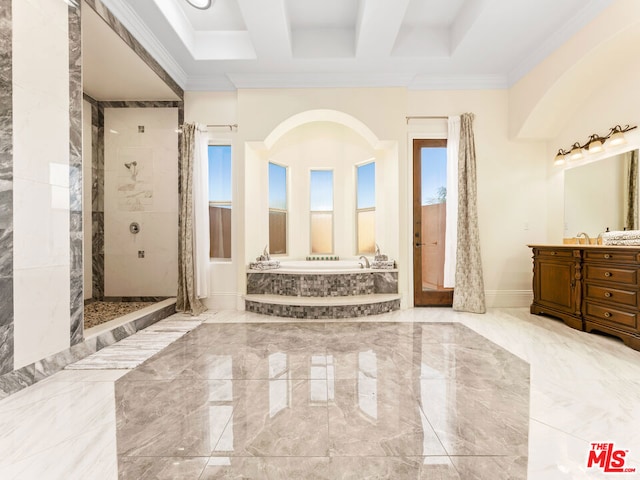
458	82
209	83
319	80
134	24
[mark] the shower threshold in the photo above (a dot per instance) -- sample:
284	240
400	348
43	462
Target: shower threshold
136	320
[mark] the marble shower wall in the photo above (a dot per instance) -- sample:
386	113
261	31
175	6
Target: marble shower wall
75	178
140	185
6	190
41	223
46	154
95	193
93	126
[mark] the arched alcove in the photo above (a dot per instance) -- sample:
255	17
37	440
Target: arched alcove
320	139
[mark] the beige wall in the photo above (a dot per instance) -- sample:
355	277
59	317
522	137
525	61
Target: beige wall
586	86
511	189
511	175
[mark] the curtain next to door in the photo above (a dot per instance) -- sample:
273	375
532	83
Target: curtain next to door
468	295
451	230
187	299
632	191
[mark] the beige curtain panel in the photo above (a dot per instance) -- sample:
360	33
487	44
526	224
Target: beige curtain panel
632	192
468	295
187	299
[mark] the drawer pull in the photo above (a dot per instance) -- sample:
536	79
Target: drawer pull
607	315
607	294
554	253
606	255
607	274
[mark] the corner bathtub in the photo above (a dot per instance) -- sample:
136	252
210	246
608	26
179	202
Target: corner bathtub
322	289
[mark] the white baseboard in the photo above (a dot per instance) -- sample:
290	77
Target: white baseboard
224	301
508	298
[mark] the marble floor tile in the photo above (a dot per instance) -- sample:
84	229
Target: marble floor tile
294	468
161	468
491	467
137	348
376	417
280	417
422	393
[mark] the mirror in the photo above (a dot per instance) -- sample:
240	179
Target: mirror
596	196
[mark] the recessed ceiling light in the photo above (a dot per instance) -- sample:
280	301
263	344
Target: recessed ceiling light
201	4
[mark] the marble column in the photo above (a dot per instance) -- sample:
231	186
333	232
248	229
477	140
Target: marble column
97	200
75	176
6	190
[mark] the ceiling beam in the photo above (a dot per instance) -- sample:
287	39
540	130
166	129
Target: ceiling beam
269	27
377	27
465	20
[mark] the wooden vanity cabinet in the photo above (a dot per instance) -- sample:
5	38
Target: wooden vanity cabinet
593	288
557	288
611	285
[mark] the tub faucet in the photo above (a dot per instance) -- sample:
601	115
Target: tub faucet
366	262
586	237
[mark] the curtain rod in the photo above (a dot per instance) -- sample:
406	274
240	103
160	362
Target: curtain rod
427	117
230	126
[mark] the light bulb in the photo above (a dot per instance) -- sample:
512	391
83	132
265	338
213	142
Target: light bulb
595	146
617	138
576	152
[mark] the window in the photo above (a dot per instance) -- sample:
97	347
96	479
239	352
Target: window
220	201
321	211
277	209
366	208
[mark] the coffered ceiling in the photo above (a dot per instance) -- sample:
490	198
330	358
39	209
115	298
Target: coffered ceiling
336	43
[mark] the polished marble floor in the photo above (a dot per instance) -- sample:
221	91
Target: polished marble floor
422	393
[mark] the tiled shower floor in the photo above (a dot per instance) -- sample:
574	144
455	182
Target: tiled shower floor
96	313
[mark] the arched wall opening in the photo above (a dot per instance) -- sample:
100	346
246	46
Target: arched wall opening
321	139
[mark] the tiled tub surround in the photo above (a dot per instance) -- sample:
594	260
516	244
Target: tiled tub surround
320	292
359	306
324	284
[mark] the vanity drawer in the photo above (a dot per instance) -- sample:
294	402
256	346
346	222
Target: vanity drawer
623	297
554	253
611	256
628	276
611	315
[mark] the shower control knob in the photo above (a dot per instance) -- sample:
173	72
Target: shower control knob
134	227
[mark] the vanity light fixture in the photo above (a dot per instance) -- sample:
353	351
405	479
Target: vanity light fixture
616	137
576	152
594	144
559	160
200	4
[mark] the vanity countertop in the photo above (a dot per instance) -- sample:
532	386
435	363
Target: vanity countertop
575	245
